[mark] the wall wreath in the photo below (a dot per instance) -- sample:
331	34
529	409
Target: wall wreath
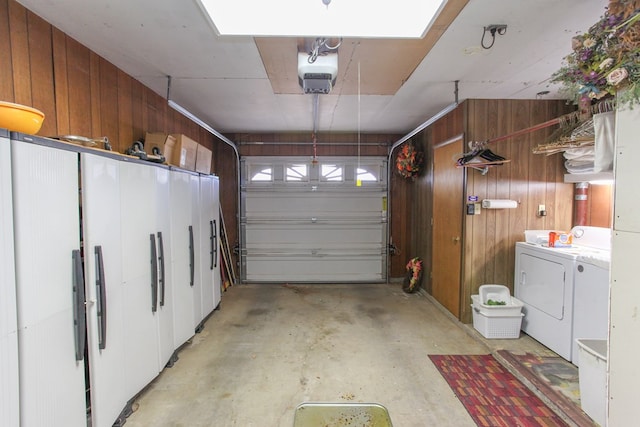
409	161
413	279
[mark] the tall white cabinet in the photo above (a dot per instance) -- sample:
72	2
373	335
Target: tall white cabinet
9	388
624	323
107	258
49	284
105	292
184	187
210	232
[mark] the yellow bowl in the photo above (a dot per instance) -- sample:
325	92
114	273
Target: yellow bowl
20	118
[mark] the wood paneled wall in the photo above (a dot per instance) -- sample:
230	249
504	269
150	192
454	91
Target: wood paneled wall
489	238
530	179
81	93
327	144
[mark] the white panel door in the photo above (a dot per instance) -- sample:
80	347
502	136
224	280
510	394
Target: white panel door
104	289
48	272
217	281
305	222
183	190
165	292
9	388
196	236
139	271
209	243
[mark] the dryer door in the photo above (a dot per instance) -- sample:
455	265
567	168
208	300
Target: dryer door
541	284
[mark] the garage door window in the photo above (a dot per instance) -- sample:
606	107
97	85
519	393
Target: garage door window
261	173
297	173
368	173
332	173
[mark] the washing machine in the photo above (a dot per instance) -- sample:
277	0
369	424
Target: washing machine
565	290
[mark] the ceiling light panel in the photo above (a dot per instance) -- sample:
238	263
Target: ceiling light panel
310	18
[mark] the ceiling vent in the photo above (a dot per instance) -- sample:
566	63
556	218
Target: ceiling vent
318	76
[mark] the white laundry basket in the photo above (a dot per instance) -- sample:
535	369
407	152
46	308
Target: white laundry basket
592	377
497	321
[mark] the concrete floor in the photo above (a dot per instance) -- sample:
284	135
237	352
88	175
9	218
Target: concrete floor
272	347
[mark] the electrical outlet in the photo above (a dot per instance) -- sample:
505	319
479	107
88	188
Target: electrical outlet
542	210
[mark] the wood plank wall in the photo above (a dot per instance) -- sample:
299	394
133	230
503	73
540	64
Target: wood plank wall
81	93
421	199
531	179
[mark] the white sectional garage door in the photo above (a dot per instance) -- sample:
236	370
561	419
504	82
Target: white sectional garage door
305	221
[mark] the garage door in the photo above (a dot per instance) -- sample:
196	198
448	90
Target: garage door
323	221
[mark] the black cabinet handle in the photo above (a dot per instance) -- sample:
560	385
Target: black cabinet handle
101	290
212	238
191	257
154	274
79	315
215	244
162	276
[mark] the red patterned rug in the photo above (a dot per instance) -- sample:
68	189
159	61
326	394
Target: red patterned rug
491	394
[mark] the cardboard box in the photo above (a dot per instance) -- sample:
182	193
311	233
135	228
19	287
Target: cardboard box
160	140
184	152
203	160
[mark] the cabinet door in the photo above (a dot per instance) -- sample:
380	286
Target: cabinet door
217	282
181	193
49	283
9	389
165	291
199	233
208	243
139	264
104	289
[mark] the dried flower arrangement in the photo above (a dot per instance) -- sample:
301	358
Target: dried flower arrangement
606	59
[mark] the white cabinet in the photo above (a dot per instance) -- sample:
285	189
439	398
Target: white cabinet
165	289
626	201
139	270
107	282
183	190
209	243
104	289
9	388
50	289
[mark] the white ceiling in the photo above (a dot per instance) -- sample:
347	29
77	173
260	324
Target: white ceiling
223	81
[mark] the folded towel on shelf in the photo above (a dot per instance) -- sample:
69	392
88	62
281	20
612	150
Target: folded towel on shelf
579	166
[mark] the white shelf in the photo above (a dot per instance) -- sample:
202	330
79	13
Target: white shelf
588	177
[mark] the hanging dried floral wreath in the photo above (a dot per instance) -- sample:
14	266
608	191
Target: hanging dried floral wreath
409	161
605	60
413	279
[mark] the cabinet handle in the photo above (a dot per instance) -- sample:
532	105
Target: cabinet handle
191	257
161	259
523	278
101	290
214	244
79	315
154	274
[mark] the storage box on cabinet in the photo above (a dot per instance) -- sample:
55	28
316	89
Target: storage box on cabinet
203	160
184	152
